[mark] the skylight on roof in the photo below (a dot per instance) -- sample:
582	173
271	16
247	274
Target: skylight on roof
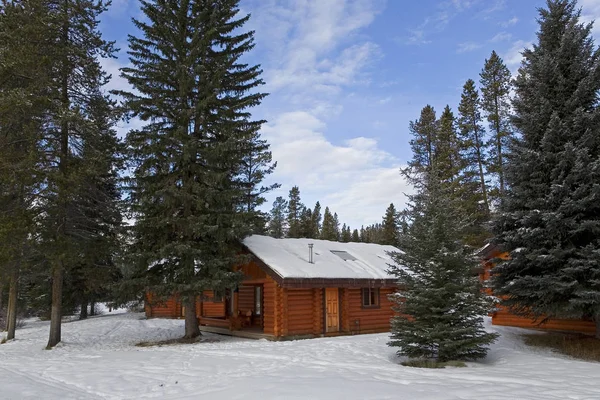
344	255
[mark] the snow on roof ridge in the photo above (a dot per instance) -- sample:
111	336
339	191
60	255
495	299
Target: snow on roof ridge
288	257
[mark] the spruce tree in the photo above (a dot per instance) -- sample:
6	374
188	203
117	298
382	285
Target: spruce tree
549	221
316	221
389	233
346	236
24	80
355	236
424	132
336	227
495	80
277	219
473	142
74	51
294	213
440	306
256	164
306	223
447	156
195	93
329	231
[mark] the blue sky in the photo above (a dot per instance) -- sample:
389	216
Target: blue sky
345	77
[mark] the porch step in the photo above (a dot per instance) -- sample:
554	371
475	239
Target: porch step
243	334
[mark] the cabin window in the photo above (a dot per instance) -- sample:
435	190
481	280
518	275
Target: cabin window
257	302
217	296
370	297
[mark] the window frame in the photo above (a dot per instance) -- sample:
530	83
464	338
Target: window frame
373	295
218	296
258	300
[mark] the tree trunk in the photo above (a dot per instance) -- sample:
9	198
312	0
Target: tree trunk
56	311
2	328
11	324
192	330
93	308
83	313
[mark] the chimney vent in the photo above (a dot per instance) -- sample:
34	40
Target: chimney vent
310	253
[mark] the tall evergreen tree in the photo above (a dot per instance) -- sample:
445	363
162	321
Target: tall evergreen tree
277	220
195	94
336	226
346	236
495	80
447	156
549	221
355	236
294	213
316	221
473	140
24	80
389	234
329	231
77	77
441	307
306	223
256	164
424	132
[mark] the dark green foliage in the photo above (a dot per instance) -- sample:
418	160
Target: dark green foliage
294	213
550	219
440	305
424	132
192	196
473	146
316	221
277	219
330	230
448	160
389	227
495	80
345	235
355	236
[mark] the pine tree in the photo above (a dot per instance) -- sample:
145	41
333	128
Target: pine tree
495	91
277	220
98	204
441	306
355	236
316	222
346	236
329	231
306	223
473	143
256	164
195	94
336	227
363	234
24	78
389	230
424	132
294	213
74	50
447	156
549	220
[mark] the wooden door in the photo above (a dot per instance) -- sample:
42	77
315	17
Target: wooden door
332	306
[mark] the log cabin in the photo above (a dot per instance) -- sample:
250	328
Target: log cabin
489	255
299	288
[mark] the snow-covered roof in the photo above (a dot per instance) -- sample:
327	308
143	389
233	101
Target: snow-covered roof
289	258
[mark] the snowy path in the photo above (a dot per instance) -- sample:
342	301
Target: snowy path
98	360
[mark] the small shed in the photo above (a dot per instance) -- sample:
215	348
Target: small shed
489	254
300	288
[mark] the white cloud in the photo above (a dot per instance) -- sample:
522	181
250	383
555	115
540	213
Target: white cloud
468	47
511	22
501	37
356	179
591	12
513	56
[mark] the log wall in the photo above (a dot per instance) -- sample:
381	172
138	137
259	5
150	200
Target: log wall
367	320
503	316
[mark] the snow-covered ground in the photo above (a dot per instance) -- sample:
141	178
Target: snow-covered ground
98	360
